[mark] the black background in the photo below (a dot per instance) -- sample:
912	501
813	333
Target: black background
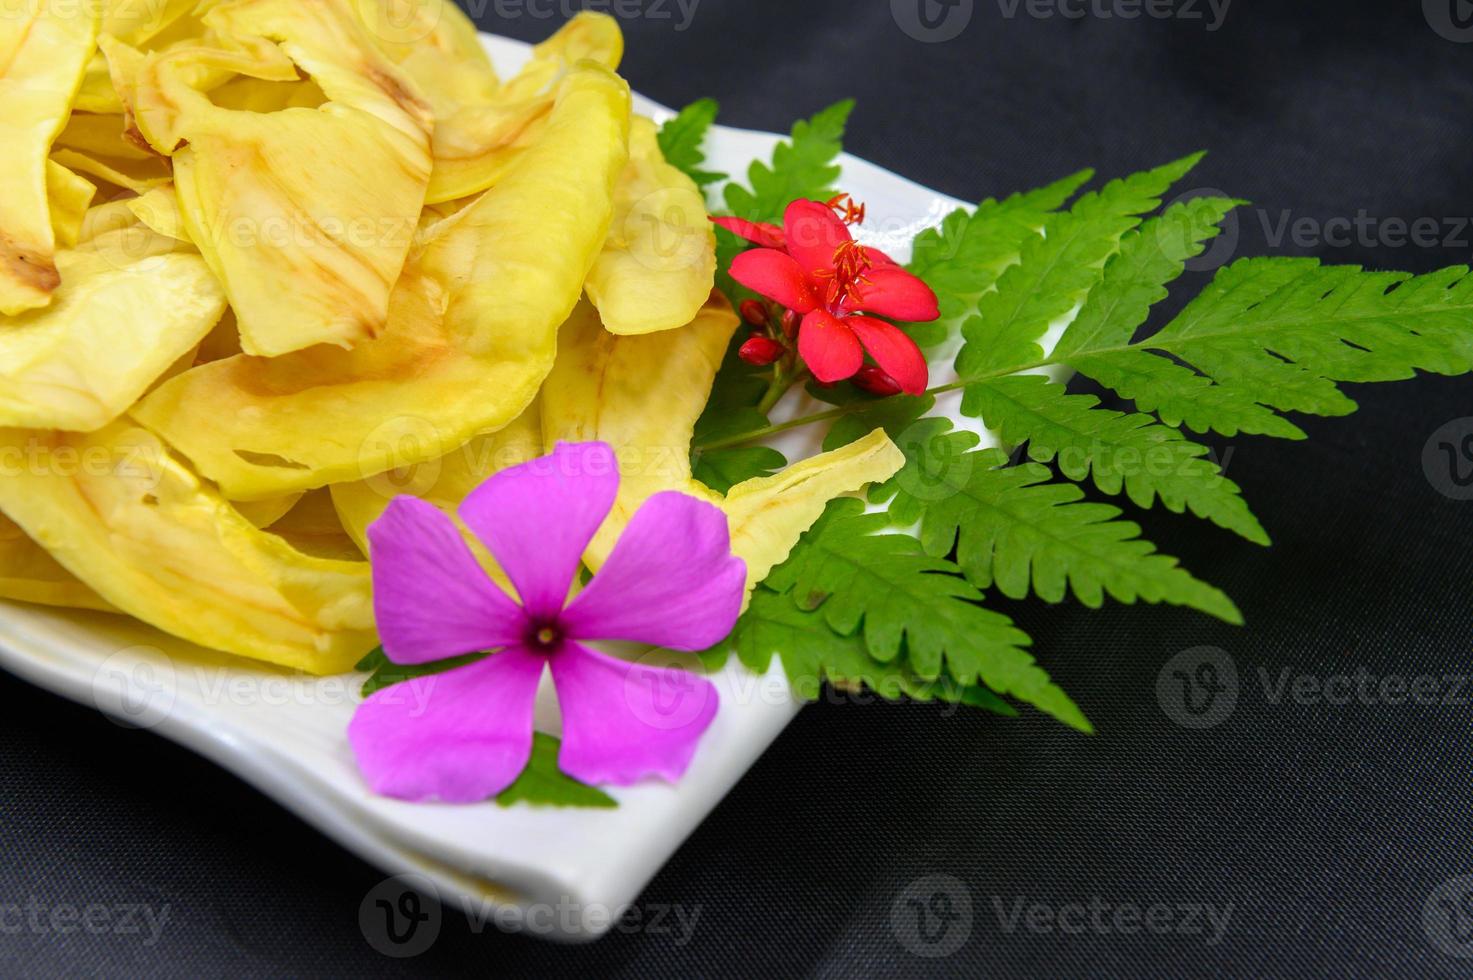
1326	828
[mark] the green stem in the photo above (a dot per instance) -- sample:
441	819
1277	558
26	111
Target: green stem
784	377
742	438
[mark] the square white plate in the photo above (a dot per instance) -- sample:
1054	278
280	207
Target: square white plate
284	732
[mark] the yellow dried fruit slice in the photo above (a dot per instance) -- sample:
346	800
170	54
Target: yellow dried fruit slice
122	515
641	395
102	135
29	574
137	22
277	198
444	482
97	93
313	527
158	209
68	196
478	143
137	176
471	337
768	515
264	513
437	46
113	330
659	263
44	50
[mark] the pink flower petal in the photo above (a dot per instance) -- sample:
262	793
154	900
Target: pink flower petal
768	236
893	350
671	581
623	722
893	292
537	519
829	348
775	275
431	598
814	233
457	737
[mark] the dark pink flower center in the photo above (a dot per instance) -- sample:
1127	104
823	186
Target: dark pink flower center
544	637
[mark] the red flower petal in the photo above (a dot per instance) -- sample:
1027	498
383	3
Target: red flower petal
893	292
775	275
768	236
893	351
829	347
814	234
878	257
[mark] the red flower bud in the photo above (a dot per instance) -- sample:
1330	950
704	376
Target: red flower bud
754	313
876	382
761	351
790	322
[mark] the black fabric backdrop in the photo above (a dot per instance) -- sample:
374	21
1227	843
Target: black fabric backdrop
1334	834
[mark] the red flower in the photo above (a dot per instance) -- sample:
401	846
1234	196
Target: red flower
813	266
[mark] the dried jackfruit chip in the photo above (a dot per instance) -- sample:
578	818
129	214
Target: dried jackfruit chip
126	518
659	263
477	144
444	482
267	197
29	574
44	50
113	330
643	395
68	196
471	335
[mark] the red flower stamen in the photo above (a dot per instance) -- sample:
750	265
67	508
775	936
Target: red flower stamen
851	262
848	210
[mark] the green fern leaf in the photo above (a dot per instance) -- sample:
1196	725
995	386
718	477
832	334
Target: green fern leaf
1124	452
1282	334
1012	528
682	141
1057	269
802	167
963	257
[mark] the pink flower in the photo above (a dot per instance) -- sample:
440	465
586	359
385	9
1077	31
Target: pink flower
670	582
813	266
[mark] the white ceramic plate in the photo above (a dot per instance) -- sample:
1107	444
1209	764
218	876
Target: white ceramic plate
284	732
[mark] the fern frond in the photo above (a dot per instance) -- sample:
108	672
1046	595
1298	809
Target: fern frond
1057	269
1123	452
854	605
963	257
682	141
1012	528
